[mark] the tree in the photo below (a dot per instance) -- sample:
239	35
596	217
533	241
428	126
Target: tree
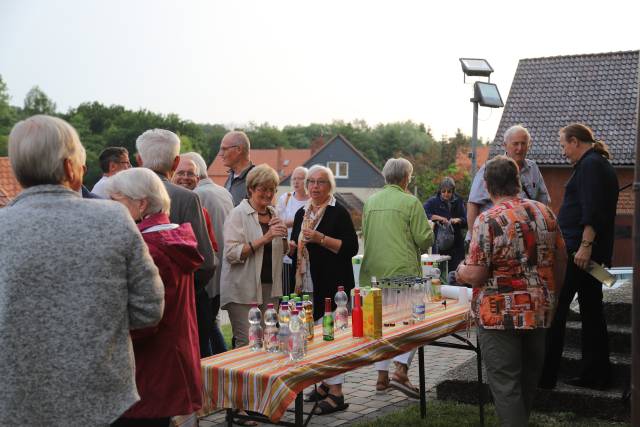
37	102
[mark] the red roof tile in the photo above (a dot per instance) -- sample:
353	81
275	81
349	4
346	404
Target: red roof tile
284	161
9	185
626	202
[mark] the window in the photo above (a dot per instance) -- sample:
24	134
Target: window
339	169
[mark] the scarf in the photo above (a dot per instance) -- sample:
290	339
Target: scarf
310	221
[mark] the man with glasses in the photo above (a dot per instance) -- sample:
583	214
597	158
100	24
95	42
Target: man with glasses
516	145
234	150
112	161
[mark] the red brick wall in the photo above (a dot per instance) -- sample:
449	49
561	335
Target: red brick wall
555	179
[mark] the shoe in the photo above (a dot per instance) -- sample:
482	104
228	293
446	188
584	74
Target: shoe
546	385
382	386
324	407
405	387
585	383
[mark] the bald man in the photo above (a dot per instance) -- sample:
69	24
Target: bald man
234	150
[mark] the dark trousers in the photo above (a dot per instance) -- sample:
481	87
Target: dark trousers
141	422
217	339
594	338
205	322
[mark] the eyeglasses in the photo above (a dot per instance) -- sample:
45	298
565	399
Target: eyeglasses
317	181
261	189
186	173
223	149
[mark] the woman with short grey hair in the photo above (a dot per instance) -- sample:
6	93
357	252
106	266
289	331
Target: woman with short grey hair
395	171
75	277
157	156
168	356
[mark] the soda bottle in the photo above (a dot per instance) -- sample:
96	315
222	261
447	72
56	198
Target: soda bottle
284	332
271	330
356	316
296	337
327	321
342	312
417	301
255	329
308	317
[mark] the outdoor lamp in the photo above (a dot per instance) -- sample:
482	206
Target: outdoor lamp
487	95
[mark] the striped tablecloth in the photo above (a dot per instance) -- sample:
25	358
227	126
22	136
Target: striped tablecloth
268	383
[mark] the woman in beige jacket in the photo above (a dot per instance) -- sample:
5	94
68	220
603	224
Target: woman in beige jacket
254	242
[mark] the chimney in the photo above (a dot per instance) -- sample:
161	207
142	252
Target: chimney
316	144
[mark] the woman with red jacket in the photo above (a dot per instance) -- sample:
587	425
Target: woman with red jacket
167	356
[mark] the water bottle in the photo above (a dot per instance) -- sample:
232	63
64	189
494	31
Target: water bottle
418	308
271	330
327	321
255	329
284	332
302	318
308	317
296	337
341	317
292	302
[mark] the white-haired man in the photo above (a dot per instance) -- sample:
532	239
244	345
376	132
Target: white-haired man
517	142
218	202
234	150
158	150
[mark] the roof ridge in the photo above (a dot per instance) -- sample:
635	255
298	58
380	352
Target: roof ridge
581	55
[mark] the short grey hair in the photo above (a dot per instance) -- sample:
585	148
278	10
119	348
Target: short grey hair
515	129
139	184
38	147
201	164
299	169
447	183
319	168
396	170
240	138
158	149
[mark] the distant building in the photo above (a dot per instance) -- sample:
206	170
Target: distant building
9	185
599	90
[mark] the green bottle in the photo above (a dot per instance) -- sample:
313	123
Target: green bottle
327	321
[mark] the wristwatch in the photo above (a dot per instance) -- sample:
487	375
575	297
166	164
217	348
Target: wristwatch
586	243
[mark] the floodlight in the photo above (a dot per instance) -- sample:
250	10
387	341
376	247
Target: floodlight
487	95
476	67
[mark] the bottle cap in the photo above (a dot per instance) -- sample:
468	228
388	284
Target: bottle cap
340	288
292	296
254	304
294	312
327	305
356	291
284	306
297	299
305	297
270	305
285	299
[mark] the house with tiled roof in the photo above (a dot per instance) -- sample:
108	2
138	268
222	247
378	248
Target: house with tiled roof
9	185
599	90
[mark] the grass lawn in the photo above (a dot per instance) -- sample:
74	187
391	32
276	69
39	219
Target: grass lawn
444	413
226	333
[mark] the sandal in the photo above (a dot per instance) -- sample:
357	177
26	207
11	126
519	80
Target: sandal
405	387
382	386
324	407
315	396
242	421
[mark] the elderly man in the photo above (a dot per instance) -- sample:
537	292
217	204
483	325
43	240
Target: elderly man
516	145
218	202
66	306
234	150
158	150
396	232
112	160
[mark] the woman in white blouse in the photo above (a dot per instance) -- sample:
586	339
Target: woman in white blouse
255	239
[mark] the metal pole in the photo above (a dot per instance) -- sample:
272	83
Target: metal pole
423	387
635	307
474	137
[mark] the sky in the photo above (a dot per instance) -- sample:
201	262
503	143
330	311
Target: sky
294	62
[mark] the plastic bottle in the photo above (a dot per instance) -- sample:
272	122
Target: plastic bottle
418	308
271	330
284	332
292	302
302	318
341	317
356	316
327	321
255	328
296	338
308	317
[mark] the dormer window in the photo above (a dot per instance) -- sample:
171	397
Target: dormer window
340	169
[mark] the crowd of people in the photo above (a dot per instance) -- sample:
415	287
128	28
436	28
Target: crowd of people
110	297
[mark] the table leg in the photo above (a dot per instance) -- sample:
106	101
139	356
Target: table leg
423	392
480	385
229	417
299	410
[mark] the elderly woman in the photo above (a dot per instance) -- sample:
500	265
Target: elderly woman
167	356
254	241
516	265
288	204
324	241
447	208
75	276
396	232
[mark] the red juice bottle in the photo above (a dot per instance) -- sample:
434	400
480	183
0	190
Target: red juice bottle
356	315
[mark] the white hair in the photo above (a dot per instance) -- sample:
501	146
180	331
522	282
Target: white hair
239	138
139	184
201	164
397	170
299	169
158	149
38	147
315	168
515	129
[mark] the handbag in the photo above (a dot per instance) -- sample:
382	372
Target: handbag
445	237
